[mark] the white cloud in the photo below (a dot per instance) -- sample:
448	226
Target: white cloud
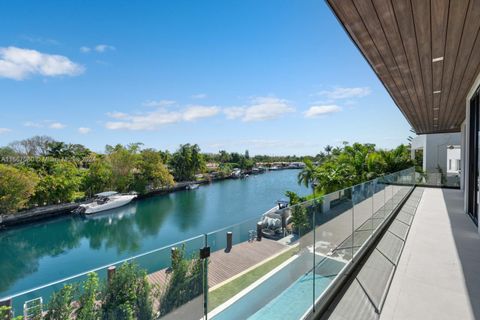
101	48
44	124
160	117
158	103
317	111
345	93
199	96
18	64
117	115
84	130
32	124
40	40
85	49
104	48
56	125
197	112
260	108
4	130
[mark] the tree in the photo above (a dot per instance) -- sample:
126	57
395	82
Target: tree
299	217
151	172
308	174
294	198
122	161
224	156
61	150
397	159
127	295
184	283
186	162
62	185
35	146
6	152
98	177
328	149
16	188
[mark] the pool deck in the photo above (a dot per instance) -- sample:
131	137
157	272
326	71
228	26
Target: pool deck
224	266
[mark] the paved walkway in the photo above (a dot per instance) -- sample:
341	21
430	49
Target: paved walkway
438	276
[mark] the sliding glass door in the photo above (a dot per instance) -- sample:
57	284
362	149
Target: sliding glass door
473	178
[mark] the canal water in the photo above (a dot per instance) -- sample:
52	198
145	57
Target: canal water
40	253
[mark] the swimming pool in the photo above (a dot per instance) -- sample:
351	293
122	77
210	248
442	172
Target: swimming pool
285	294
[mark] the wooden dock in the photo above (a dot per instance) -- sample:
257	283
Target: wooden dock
223	266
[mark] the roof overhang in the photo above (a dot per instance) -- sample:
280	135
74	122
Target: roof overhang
426	54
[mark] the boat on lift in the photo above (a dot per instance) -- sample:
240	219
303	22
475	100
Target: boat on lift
192	186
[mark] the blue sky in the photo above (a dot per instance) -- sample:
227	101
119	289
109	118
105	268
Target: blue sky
271	76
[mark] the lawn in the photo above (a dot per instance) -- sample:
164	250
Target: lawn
228	290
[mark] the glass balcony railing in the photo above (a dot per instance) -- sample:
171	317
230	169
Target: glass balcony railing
438	179
284	263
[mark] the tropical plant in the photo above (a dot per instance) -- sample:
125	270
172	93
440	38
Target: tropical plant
299	217
186	162
61	306
184	284
6	314
308	174
294	198
151	172
98	177
88	308
127	295
62	185
16	188
122	160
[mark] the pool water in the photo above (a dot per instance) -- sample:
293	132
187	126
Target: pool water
295	301
287	293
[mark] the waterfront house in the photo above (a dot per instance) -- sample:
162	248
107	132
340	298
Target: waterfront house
395	247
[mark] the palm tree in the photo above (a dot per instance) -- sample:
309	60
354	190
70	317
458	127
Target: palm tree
328	149
308	174
397	159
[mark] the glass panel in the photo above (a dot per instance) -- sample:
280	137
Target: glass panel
275	278
379	209
333	238
175	271
334	231
241	232
363	213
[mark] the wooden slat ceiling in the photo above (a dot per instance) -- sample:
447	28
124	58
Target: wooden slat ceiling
426	53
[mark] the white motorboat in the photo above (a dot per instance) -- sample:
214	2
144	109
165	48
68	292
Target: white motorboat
192	186
106	201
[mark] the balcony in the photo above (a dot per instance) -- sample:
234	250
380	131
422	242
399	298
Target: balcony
236	273
436	276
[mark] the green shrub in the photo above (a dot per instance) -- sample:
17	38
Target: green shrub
88	308
60	306
127	295
184	284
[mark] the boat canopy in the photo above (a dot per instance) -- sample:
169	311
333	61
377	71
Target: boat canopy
106	194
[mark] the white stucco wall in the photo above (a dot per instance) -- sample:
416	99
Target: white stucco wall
453	159
435	148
